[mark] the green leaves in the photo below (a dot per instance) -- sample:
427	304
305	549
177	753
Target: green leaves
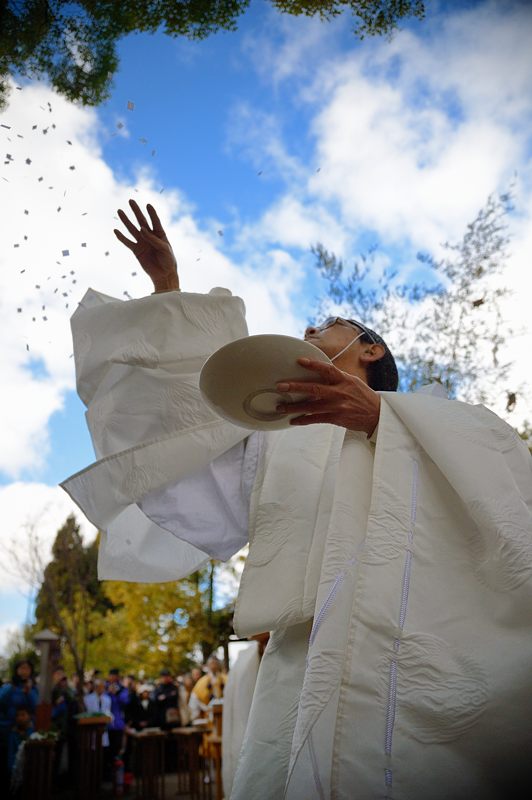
73	45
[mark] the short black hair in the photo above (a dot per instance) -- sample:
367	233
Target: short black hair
382	374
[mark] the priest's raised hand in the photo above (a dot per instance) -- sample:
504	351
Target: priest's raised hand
151	247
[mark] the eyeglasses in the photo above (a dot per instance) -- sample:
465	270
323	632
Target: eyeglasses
330	321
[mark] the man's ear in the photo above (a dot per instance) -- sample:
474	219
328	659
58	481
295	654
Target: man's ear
372	352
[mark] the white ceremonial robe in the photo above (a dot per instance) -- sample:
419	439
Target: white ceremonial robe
396	578
238	696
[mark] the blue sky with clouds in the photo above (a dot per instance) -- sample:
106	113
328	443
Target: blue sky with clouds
284	133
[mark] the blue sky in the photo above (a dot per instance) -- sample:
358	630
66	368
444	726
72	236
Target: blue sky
395	143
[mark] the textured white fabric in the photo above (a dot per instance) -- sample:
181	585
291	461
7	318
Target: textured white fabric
137	370
424	649
238	695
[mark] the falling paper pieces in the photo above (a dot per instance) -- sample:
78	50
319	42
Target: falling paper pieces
130	105
220	233
72	167
28	161
66	252
84	244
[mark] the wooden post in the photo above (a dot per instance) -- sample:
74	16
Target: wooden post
37	770
149	764
47	643
90	757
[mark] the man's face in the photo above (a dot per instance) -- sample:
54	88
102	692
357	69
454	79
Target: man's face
332	339
214	665
22	719
24	671
57	676
113	678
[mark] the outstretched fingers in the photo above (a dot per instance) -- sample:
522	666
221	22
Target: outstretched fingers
141	219
156	222
121	238
124	219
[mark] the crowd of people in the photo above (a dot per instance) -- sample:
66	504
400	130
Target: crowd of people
168	702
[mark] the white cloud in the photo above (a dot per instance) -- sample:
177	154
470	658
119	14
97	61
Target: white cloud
23	505
35	275
411	136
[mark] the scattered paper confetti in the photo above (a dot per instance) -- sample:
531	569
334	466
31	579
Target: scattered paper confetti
84	244
220	233
72	167
119	125
19	310
28	161
26	211
59	208
68	141
130	105
40	179
6	126
65	252
142	140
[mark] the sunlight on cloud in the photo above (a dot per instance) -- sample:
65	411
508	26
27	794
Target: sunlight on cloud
60	202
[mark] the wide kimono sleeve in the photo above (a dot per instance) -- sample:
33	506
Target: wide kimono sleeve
168	488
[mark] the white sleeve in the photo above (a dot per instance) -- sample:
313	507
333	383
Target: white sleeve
210	509
137	371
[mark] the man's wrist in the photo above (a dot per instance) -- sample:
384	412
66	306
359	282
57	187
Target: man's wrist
169	284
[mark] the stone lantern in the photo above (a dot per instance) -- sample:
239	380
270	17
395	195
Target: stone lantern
47	643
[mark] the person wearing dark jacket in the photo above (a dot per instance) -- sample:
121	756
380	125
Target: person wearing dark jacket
165	697
141	710
21	692
119	698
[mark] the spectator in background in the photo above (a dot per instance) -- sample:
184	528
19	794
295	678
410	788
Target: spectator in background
187	682
209	687
99	702
20	732
141	711
166	701
119	696
64	709
19	692
196	673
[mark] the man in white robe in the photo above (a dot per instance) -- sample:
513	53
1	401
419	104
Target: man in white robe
390	551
